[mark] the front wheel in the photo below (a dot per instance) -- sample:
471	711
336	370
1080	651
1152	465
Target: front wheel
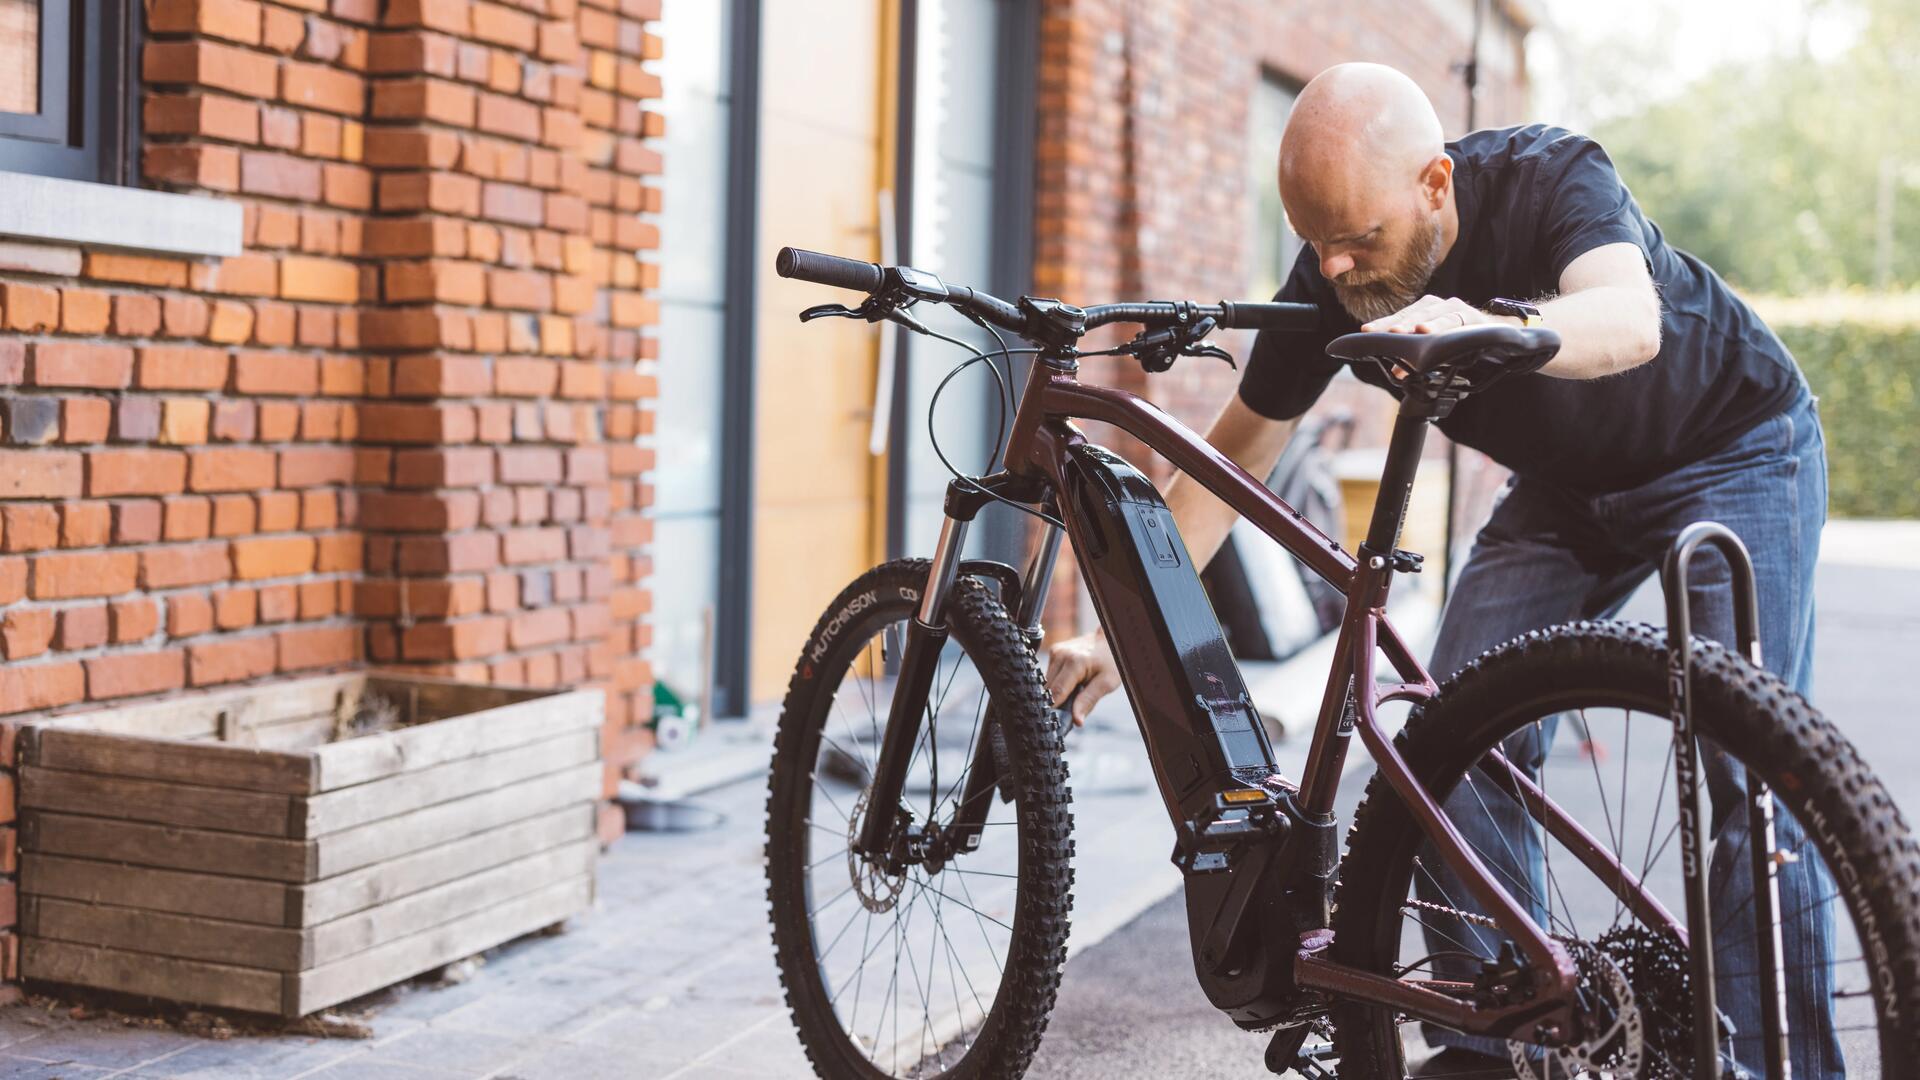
1850	900
944	963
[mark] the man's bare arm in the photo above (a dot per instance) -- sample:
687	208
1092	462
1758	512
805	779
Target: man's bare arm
1607	315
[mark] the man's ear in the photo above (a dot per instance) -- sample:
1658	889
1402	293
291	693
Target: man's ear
1435	181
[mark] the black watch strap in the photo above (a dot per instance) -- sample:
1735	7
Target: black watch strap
1519	309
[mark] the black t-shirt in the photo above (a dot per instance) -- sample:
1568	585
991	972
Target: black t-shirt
1531	200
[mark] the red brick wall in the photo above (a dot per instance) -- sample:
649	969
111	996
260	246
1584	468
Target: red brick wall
397	430
1143	144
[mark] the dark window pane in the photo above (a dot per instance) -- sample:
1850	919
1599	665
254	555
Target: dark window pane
20	56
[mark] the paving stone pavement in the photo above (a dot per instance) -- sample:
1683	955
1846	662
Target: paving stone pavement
670	977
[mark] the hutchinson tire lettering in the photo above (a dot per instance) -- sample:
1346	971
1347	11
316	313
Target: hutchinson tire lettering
839	622
1873	940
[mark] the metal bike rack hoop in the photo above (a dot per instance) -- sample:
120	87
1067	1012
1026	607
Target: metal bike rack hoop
1765	865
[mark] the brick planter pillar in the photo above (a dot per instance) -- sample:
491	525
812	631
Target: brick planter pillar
397	429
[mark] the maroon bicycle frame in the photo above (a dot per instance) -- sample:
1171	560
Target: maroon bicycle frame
1042	438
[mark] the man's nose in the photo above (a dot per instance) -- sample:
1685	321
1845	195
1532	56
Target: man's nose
1332	266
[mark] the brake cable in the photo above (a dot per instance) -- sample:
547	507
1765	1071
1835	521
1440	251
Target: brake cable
999	438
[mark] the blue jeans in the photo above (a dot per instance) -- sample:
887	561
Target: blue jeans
1549	555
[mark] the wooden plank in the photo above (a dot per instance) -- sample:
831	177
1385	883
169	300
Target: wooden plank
193	981
160	759
301	735
374	757
345	808
423	910
211	895
129	799
351	849
347	893
168	846
198	715
188	937
428	698
411	955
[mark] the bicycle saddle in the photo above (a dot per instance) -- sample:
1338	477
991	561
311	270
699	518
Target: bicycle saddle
1473	355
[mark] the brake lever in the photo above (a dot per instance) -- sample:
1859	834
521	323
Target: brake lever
872	309
822	311
1202	349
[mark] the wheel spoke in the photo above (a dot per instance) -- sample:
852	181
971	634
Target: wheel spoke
831	801
1527	887
1593	758
1659	804
825	859
1546	837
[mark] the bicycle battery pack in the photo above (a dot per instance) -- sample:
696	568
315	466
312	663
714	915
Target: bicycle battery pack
1210	752
1193	708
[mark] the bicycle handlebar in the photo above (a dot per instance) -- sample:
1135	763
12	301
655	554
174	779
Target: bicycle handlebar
872	278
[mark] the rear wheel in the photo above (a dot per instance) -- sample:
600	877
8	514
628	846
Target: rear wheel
945	964
1611	770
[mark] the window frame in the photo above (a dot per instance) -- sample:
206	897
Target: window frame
86	127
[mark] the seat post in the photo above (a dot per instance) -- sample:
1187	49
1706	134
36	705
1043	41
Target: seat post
1396	481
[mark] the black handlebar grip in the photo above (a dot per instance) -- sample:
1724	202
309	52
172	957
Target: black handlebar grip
827	269
1236	315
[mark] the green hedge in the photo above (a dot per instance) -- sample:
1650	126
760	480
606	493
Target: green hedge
1868	378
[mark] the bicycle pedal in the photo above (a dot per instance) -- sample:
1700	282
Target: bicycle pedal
1283	1050
1290	1052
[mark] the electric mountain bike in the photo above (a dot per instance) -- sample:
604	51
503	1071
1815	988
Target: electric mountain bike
919	887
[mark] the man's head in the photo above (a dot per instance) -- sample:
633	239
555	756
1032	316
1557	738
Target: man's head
1366	180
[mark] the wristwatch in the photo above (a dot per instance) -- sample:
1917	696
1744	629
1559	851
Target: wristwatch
1529	314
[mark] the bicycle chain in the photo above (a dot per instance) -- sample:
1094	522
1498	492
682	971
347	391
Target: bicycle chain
1464	916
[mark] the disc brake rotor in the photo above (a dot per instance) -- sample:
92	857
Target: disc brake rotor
1616	1041
877	887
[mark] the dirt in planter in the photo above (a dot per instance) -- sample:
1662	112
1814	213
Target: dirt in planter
375	713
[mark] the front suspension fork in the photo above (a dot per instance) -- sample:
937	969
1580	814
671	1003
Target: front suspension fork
926	638
919	662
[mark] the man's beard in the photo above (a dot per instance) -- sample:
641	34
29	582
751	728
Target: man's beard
1379	293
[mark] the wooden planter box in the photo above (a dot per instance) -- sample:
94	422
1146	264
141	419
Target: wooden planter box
248	850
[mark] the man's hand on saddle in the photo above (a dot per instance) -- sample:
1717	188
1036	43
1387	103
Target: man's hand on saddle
1432	315
1429	315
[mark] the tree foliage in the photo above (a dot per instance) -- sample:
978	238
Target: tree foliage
1868	379
1771	170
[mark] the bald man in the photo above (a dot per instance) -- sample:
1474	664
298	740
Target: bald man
1669	402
